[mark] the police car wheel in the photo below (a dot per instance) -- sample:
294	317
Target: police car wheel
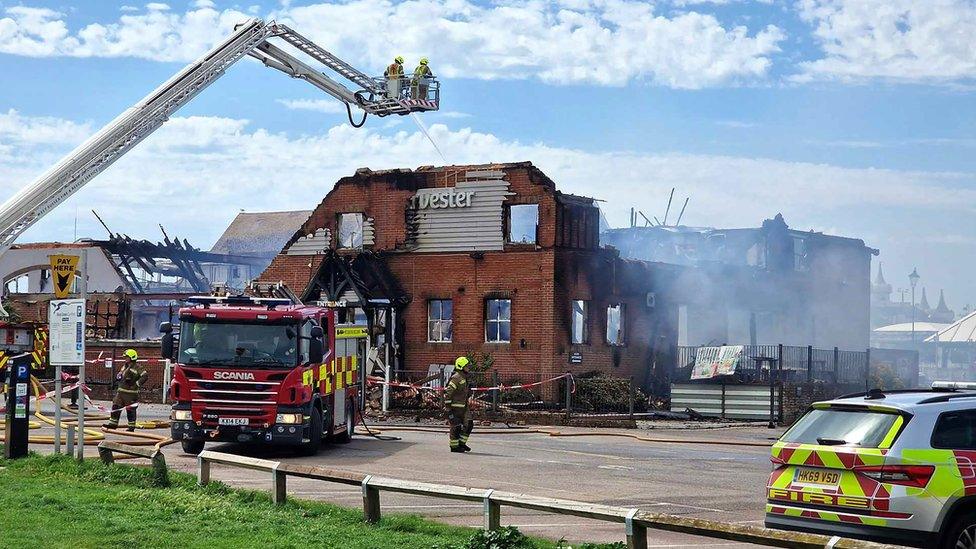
192	447
962	534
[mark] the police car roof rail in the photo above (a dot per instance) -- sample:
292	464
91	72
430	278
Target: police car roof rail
241	300
947	397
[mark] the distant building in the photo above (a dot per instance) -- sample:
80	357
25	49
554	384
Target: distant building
886	312
956	350
765	285
256	238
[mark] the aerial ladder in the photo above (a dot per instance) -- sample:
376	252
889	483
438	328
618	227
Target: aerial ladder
252	38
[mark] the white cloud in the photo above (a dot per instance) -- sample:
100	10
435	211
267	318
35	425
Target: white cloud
738	124
328	106
157	6
897	40
604	42
204	4
16	129
199	167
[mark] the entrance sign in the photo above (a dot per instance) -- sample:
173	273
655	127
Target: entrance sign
448	198
66	319
712	362
63	269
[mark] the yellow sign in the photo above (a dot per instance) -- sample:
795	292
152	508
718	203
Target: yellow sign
63	268
350	332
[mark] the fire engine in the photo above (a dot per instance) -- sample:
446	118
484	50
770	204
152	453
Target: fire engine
263	370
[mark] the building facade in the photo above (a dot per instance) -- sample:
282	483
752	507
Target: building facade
491	261
764	285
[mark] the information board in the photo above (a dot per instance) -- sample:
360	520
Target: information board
716	361
66	318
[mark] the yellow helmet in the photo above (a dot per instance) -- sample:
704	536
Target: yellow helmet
131	354
461	362
399	59
423	61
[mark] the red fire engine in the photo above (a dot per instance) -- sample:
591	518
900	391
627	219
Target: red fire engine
263	370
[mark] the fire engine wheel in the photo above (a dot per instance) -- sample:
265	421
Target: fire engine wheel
346	435
962	533
311	447
192	447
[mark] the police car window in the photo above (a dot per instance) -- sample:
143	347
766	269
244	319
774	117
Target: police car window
841	427
955	431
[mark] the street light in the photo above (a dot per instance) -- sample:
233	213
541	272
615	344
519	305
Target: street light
913	280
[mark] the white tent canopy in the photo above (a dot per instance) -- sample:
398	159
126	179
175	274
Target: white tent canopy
962	331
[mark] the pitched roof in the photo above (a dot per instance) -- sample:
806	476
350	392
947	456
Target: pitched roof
259	233
962	331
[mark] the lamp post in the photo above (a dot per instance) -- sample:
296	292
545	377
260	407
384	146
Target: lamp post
913	280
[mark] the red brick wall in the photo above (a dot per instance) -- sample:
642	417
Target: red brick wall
541	280
101	377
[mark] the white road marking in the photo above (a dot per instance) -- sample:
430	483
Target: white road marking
615	467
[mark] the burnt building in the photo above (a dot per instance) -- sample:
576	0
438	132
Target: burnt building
764	285
489	260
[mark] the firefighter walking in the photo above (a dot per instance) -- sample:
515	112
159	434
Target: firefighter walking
131	379
456	402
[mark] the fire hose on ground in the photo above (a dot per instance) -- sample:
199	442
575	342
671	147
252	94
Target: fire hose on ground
90	436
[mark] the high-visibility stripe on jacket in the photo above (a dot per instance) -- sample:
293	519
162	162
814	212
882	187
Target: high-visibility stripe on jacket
457	392
395	70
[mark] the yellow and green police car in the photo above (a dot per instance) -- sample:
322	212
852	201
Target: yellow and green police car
896	467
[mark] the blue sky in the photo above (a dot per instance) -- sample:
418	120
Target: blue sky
852	117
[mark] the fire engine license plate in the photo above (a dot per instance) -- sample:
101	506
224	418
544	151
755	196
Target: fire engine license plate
232	421
821	478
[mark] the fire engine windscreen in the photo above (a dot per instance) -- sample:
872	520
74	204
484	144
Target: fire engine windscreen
207	342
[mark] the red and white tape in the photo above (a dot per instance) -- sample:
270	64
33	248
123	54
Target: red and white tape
372	380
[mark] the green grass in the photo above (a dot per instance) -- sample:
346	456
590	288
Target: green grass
54	501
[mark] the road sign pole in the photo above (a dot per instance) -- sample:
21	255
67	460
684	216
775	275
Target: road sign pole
83	291
57	408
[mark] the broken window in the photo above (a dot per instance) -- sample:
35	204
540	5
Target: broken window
351	231
523	223
580	319
800	262
18	285
615	324
440	320
498	321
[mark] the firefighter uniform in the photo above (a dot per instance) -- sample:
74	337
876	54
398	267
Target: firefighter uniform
456	402
394	78
131	379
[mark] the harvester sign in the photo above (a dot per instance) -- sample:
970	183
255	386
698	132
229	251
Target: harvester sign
63	268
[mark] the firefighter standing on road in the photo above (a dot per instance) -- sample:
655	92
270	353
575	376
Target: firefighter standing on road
131	379
456	401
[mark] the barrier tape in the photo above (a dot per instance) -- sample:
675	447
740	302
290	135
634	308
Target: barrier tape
373	380
86	391
49	394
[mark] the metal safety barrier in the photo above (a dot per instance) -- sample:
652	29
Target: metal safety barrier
636	521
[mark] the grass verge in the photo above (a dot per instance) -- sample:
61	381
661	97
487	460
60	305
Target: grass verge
55	501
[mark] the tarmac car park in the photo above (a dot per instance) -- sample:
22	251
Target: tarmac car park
897	466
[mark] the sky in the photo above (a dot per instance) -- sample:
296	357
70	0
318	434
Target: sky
850	117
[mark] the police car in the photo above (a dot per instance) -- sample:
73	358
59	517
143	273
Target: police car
894	466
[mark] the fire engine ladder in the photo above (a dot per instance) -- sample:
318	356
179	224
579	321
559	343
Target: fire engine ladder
99	151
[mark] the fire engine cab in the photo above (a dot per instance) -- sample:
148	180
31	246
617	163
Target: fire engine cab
263	370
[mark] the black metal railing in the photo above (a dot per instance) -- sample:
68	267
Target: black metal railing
799	364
